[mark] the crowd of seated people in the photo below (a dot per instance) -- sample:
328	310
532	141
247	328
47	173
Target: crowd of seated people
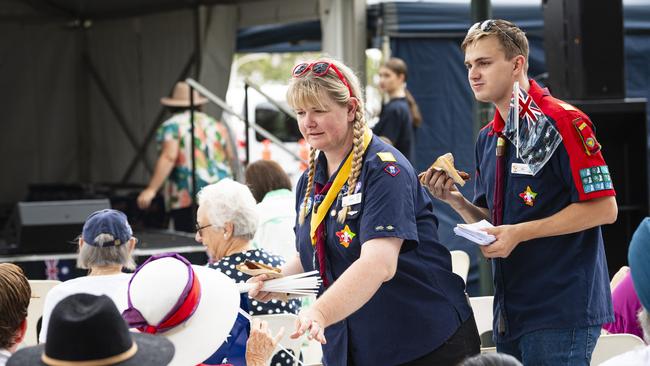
168	307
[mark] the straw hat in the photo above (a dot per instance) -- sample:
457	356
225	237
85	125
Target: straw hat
194	307
181	96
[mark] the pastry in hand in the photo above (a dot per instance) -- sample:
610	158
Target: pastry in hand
446	163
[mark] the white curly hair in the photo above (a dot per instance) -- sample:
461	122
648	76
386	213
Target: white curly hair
230	201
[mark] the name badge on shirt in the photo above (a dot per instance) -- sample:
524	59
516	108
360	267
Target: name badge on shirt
519	168
351	200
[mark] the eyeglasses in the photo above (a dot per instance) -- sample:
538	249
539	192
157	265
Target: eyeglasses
199	228
320	68
486	25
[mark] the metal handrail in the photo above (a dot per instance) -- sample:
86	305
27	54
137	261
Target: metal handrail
284	109
221	103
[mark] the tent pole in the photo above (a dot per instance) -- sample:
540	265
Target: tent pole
84	121
481	10
197	72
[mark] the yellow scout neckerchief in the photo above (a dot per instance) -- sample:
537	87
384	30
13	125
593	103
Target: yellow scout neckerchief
317	216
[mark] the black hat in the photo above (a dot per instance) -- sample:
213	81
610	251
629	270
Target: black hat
85	327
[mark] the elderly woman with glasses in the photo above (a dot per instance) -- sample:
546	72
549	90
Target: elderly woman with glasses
105	248
364	222
226	221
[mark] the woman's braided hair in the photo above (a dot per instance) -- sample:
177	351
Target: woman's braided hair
310	90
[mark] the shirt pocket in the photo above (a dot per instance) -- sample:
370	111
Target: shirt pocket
347	235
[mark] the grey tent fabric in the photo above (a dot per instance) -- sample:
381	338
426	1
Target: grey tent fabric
82	96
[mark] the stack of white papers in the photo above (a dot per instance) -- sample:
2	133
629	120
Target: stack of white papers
473	232
302	284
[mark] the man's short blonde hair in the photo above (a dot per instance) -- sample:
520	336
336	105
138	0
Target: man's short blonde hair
512	39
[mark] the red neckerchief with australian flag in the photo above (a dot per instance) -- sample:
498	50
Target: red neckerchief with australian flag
530	132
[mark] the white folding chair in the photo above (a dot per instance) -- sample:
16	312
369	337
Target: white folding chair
288	321
610	345
460	263
483	313
40	288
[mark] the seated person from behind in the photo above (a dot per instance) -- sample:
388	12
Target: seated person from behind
491	359
14	300
105	248
276	212
87	330
226	221
626	305
195	308
639	259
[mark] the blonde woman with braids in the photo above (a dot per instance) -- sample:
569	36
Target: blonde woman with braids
365	223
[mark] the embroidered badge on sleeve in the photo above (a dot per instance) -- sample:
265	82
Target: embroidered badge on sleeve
392	169
596	179
587	137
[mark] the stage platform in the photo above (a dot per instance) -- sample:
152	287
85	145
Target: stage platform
62	266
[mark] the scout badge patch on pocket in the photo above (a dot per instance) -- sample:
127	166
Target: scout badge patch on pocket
587	137
528	196
345	236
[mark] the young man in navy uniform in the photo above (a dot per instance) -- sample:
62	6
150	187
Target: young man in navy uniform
550	273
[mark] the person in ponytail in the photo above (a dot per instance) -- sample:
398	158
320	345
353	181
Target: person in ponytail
366	225
400	116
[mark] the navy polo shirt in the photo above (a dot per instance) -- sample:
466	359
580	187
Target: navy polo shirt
552	282
396	124
424	303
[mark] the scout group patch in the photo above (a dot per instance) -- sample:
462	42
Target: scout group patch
392	169
528	196
596	179
587	136
345	236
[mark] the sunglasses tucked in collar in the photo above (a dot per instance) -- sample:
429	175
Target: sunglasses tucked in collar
320	68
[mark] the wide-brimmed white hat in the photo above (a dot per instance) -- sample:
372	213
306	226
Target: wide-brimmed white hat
181	96
194	307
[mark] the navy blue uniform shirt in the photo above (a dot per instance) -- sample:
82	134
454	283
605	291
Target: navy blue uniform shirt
424	303
396	124
553	282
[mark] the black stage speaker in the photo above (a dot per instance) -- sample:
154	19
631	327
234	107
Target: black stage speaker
52	226
621	130
583	43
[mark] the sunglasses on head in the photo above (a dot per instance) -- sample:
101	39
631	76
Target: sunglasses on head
486	25
320	68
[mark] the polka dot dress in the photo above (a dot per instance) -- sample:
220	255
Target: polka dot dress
227	265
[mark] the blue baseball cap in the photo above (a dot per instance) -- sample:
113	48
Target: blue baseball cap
110	222
638	257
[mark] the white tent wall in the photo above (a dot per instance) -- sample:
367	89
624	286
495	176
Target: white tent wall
276	11
343	24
